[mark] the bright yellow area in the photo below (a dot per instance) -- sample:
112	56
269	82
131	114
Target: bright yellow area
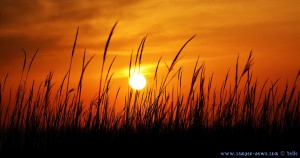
137	81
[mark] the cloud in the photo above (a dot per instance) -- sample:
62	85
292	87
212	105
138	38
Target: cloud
51	24
219	25
149	68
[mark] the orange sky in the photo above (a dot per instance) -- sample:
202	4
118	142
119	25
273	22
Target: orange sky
223	29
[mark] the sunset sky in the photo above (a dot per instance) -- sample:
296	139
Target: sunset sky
223	29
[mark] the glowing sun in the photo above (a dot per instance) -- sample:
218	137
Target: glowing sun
137	81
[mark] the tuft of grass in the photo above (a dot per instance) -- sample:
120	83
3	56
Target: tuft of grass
161	115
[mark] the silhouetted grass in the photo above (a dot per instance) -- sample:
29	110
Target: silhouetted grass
238	117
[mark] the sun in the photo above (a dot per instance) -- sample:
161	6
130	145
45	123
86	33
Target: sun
137	81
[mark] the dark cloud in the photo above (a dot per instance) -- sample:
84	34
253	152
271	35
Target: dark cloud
51	24
15	12
86	10
11	46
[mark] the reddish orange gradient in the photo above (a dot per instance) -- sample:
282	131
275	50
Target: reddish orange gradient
224	29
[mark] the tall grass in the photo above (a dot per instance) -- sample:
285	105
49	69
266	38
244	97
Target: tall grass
39	118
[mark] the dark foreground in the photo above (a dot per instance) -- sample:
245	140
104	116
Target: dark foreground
197	143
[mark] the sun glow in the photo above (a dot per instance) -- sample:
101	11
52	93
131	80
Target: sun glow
137	81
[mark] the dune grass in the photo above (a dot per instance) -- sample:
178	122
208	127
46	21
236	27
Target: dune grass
39	118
